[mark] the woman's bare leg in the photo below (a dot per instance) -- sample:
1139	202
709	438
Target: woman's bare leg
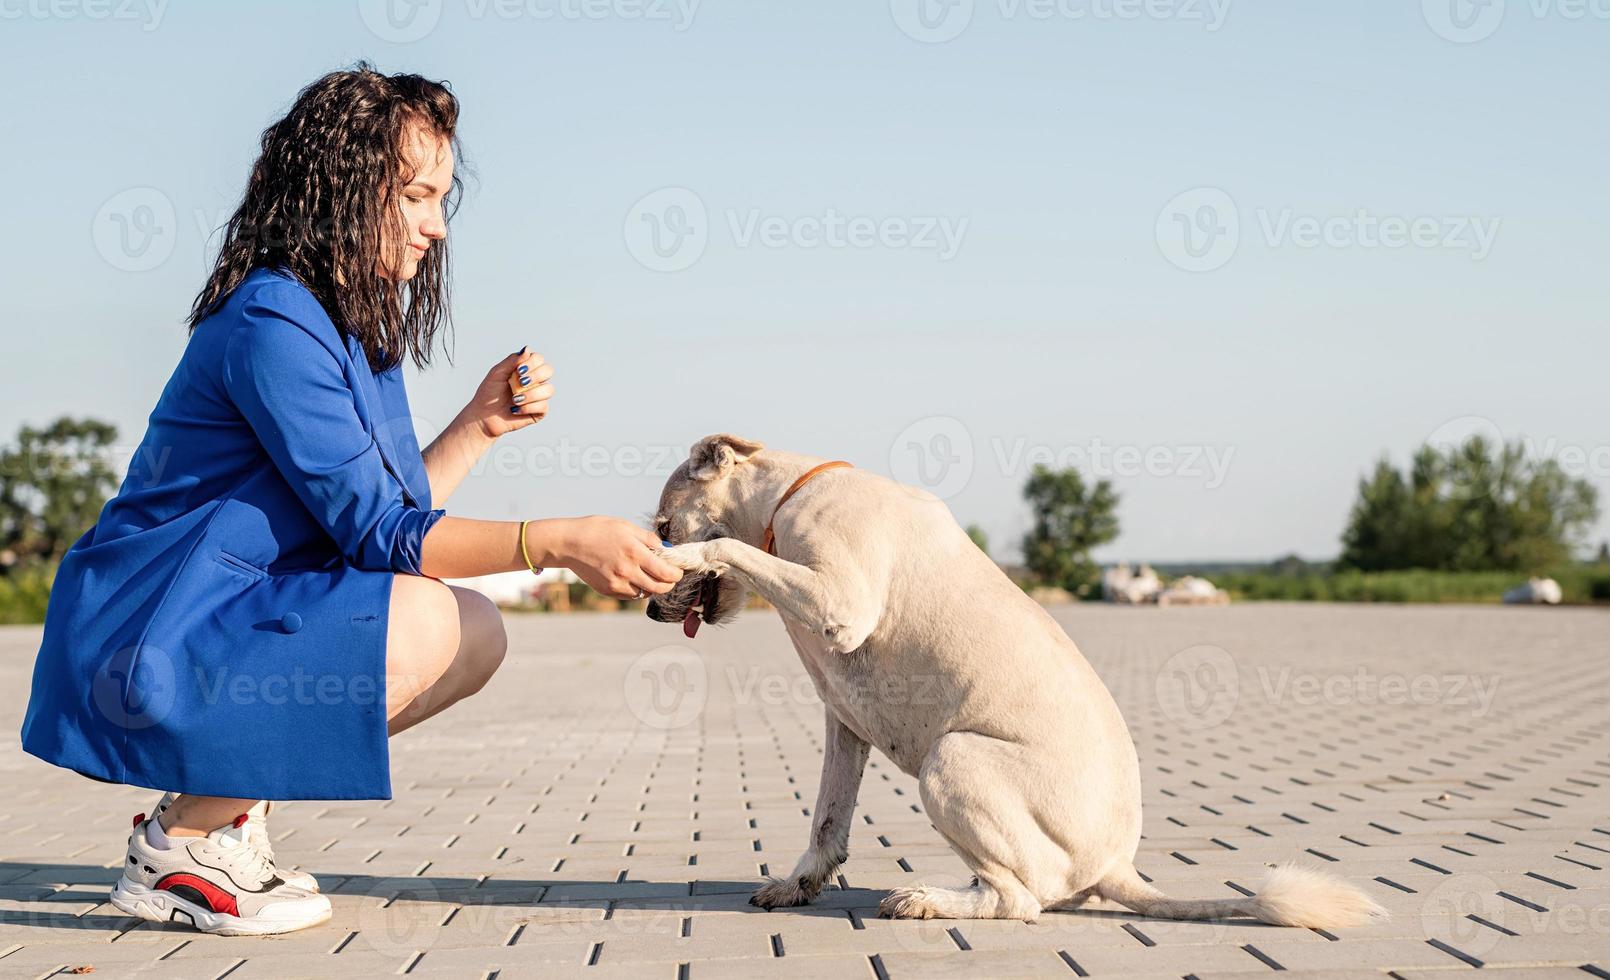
442	644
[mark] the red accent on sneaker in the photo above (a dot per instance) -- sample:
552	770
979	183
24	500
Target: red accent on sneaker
139	818
217	899
240	821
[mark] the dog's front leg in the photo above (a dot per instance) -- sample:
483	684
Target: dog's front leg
840	606
842	765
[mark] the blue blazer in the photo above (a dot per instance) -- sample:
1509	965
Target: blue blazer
222	628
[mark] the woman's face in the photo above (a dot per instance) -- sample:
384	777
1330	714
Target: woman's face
420	201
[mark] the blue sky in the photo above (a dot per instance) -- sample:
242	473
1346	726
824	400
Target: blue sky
1225	253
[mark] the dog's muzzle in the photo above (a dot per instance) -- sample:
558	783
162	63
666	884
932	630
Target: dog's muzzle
690	601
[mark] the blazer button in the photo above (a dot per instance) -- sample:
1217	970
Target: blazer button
290	622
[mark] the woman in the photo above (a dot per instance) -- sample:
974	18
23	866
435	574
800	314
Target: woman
258	608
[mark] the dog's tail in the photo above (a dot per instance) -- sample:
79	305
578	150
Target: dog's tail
1289	896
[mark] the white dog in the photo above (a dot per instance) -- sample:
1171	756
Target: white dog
920	646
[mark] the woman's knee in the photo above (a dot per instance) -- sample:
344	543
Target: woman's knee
423	633
484	639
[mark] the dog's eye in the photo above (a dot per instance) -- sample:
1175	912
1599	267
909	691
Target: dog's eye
663	529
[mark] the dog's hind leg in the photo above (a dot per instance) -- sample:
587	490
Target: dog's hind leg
970	785
842	766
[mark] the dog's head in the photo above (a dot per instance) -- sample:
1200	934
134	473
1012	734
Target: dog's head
696	505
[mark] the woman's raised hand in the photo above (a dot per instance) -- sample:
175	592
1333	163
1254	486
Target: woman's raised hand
513	395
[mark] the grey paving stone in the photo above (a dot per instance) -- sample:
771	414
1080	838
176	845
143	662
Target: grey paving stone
565	836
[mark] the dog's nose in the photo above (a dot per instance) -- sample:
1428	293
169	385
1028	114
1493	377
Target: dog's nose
654	610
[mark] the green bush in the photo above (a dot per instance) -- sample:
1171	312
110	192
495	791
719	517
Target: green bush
25	594
1578	583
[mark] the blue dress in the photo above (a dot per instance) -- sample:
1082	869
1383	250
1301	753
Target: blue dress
222	628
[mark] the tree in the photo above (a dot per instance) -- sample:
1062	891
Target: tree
53	484
979	537
1070	520
1473	507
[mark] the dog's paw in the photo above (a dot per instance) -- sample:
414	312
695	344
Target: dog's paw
785	893
698	557
907	903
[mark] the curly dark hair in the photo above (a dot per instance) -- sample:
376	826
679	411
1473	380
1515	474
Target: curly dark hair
330	174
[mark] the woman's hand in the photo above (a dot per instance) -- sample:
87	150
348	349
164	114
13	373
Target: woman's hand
513	395
613	556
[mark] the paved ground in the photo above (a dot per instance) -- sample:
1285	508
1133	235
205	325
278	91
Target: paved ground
605	808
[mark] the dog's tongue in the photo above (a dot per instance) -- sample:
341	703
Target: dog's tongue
690	623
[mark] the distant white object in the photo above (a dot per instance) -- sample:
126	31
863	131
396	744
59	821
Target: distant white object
1536	592
1193	591
1119	584
512	588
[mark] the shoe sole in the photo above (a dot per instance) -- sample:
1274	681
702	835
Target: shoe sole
163	906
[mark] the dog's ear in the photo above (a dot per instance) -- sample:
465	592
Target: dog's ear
714	456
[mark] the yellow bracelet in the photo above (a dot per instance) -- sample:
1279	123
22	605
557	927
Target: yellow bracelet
526	554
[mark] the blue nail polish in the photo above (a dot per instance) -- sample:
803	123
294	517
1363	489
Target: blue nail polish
667	543
525	348
525	382
524	368
514	409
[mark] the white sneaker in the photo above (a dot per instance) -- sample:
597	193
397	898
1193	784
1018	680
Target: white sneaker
219	883
257	825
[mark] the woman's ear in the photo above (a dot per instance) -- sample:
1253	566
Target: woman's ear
713	457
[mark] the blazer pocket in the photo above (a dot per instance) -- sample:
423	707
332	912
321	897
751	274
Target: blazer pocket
241	565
